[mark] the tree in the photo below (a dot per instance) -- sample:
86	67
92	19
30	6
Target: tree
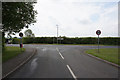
33	35
29	33
17	15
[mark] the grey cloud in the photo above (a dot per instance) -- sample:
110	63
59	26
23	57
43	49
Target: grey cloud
84	22
53	20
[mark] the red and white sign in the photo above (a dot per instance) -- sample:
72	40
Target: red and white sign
98	32
21	34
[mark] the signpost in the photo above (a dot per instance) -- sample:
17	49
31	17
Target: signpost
60	39
21	35
98	32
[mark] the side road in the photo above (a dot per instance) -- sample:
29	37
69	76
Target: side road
14	63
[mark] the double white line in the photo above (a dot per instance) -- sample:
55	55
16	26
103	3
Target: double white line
73	75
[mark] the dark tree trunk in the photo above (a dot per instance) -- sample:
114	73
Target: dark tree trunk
3	41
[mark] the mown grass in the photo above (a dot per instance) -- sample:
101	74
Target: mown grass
11	52
109	54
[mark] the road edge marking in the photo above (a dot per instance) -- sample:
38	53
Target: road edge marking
73	75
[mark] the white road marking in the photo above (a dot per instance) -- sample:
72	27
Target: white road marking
71	72
57	49
44	49
60	53
37	47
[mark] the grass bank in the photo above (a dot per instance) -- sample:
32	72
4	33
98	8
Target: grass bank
109	54
11	52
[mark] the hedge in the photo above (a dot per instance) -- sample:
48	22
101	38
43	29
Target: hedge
67	40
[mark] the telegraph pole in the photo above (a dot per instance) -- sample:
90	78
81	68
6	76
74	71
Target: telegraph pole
57	33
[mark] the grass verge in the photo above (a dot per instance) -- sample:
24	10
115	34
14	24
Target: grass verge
11	52
109	54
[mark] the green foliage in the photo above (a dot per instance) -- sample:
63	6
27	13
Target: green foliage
15	41
48	40
86	40
109	40
29	33
11	52
109	54
17	15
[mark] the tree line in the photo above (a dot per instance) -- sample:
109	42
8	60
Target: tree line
67	40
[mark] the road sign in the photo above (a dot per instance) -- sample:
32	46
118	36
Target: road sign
98	32
60	38
21	34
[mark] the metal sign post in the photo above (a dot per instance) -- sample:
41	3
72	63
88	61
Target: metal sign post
98	43
98	32
21	45
60	39
57	34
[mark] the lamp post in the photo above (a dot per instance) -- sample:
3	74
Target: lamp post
57	33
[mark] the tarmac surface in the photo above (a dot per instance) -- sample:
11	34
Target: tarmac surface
64	61
12	64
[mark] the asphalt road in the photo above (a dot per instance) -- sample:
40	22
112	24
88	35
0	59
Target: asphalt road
65	61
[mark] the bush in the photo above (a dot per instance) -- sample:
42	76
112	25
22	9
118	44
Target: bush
15	41
67	40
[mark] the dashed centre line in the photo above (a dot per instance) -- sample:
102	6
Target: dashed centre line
73	75
71	72
60	53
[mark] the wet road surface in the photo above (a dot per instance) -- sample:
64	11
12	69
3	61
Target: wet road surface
65	61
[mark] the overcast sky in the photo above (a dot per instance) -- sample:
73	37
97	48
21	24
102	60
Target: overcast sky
76	18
